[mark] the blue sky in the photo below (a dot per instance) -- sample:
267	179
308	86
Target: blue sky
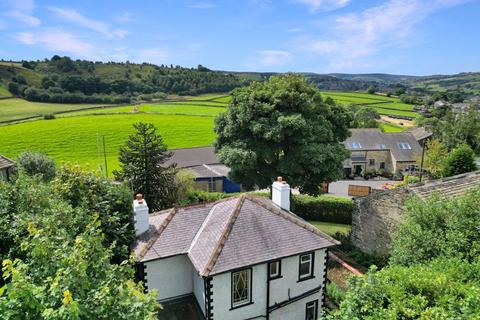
353	36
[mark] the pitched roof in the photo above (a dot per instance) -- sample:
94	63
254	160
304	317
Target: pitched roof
447	187
208	171
229	234
6	163
374	139
190	157
420	133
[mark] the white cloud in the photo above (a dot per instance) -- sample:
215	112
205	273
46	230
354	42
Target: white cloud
75	17
26	19
153	55
58	41
124	17
358	37
22	11
323	5
270	58
200	5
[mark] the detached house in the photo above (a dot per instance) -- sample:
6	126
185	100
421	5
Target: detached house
243	257
374	150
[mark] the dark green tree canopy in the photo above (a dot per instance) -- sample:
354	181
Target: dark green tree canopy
141	162
460	160
282	127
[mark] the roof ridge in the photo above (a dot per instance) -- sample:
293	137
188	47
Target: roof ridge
158	232
226	232
290	216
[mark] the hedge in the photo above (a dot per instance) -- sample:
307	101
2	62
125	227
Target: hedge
321	208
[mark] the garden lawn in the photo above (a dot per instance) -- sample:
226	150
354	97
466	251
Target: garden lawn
74	139
331	228
389	127
16	109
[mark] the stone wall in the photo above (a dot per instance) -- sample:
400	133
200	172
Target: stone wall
375	218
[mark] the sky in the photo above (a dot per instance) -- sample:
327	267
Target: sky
414	37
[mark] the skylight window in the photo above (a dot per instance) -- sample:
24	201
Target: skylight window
381	146
404	146
354	145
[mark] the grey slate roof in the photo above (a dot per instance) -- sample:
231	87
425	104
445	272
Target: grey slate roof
209	171
228	234
374	139
6	163
191	157
420	133
447	187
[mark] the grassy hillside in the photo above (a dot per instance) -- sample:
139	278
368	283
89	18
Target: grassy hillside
468	82
16	109
4	92
382	104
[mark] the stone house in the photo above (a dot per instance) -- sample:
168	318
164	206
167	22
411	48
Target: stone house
376	217
243	257
373	150
7	167
210	174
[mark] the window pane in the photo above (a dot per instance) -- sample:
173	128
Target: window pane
305	265
311	311
241	287
274	269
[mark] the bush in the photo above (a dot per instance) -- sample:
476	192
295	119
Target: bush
323	208
49	116
460	160
334	293
33	163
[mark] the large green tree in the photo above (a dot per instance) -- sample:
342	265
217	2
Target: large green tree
460	160
282	127
142	160
57	263
365	117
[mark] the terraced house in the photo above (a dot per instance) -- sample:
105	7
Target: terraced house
243	257
392	153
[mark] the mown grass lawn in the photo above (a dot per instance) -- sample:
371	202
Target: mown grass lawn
13	109
331	228
389	127
74	139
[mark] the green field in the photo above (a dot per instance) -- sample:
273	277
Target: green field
389	127
382	104
74	139
16	109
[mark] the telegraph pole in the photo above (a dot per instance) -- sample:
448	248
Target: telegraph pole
105	158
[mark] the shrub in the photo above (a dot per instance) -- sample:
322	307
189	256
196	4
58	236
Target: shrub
323	208
49	116
335	294
460	160
33	163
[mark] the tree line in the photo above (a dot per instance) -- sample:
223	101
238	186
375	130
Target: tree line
65	80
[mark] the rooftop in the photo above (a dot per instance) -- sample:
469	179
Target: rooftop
447	187
6	163
191	157
403	145
228	234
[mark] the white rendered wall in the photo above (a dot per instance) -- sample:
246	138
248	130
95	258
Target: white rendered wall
297	310
172	277
222	294
199	290
279	288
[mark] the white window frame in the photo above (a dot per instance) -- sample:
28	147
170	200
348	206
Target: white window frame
212	185
248	299
355	145
278	268
310	259
312	304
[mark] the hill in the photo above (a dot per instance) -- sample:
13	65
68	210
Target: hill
63	80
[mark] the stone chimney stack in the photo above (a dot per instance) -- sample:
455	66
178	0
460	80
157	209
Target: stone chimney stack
281	194
140	210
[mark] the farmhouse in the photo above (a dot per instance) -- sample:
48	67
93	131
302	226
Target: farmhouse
6	168
210	174
373	150
243	257
376	216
